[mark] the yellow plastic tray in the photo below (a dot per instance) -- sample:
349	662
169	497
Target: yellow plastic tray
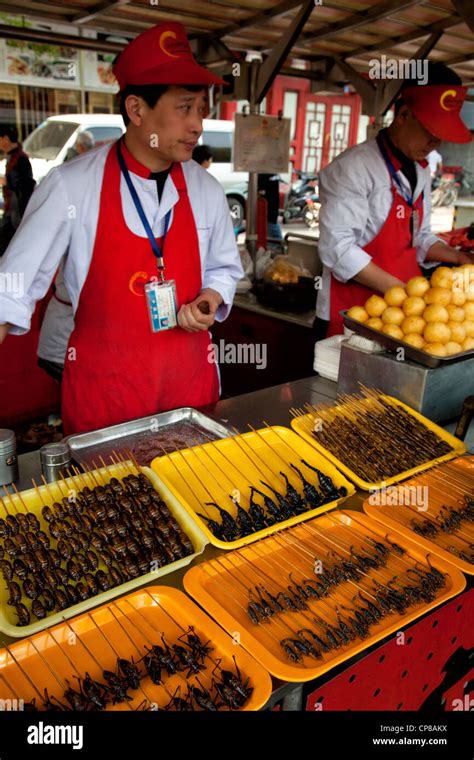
303	426
32	502
390	515
208	583
144	615
206	469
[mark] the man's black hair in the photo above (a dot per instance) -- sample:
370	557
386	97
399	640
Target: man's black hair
9	130
438	73
202	153
151	93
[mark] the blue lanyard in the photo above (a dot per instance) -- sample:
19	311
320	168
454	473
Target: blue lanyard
155	247
408	198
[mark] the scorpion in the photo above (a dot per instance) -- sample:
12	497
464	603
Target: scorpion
451	522
244	521
424	528
292	496
281	512
214	527
312	495
326	484
228	524
256	513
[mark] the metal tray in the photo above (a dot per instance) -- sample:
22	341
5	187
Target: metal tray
87	447
392	344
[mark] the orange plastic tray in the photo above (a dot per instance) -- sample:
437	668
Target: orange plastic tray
47	659
398	516
213	471
222	587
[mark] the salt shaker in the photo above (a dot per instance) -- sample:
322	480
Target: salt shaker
8	458
55	459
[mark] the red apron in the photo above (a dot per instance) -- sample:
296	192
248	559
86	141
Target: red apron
116	368
391	250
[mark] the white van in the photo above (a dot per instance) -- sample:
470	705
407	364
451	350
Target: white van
48	144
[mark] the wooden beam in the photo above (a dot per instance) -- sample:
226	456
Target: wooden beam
41	35
465	8
89	14
269	70
257	18
356	20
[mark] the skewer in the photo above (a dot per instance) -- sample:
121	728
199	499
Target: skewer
237	438
130	639
4	504
152	643
21	669
127	702
266	629
100	477
78	474
10	687
217	482
56	677
199	501
45	483
76	635
19	496
38	491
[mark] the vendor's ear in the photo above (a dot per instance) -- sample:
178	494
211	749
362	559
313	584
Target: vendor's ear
134	108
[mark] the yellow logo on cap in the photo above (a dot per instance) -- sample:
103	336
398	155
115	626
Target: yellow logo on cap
164	37
444	96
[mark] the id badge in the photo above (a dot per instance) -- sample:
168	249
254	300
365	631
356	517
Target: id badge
161	304
415	221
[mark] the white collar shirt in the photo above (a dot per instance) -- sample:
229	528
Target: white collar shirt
356	196
61	220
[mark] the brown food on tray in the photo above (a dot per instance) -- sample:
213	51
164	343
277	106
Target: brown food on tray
107	536
375	438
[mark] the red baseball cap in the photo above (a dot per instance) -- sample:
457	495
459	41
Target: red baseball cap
437	108
161	55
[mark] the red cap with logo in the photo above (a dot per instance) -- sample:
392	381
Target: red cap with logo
161	55
437	108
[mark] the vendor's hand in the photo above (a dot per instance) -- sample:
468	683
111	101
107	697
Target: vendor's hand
192	318
4	331
2	181
464	258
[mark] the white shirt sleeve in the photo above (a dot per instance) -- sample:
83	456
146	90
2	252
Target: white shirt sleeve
223	268
35	251
426	238
343	216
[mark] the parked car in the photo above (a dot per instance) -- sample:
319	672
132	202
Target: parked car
48	144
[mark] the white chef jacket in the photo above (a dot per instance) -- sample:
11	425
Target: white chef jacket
61	218
356	197
57	324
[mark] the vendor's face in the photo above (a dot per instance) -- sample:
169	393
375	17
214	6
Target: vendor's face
172	128
415	141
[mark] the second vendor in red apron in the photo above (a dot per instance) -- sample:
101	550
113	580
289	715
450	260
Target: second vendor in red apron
375	201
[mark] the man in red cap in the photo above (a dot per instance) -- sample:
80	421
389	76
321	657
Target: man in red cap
150	254
375	201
